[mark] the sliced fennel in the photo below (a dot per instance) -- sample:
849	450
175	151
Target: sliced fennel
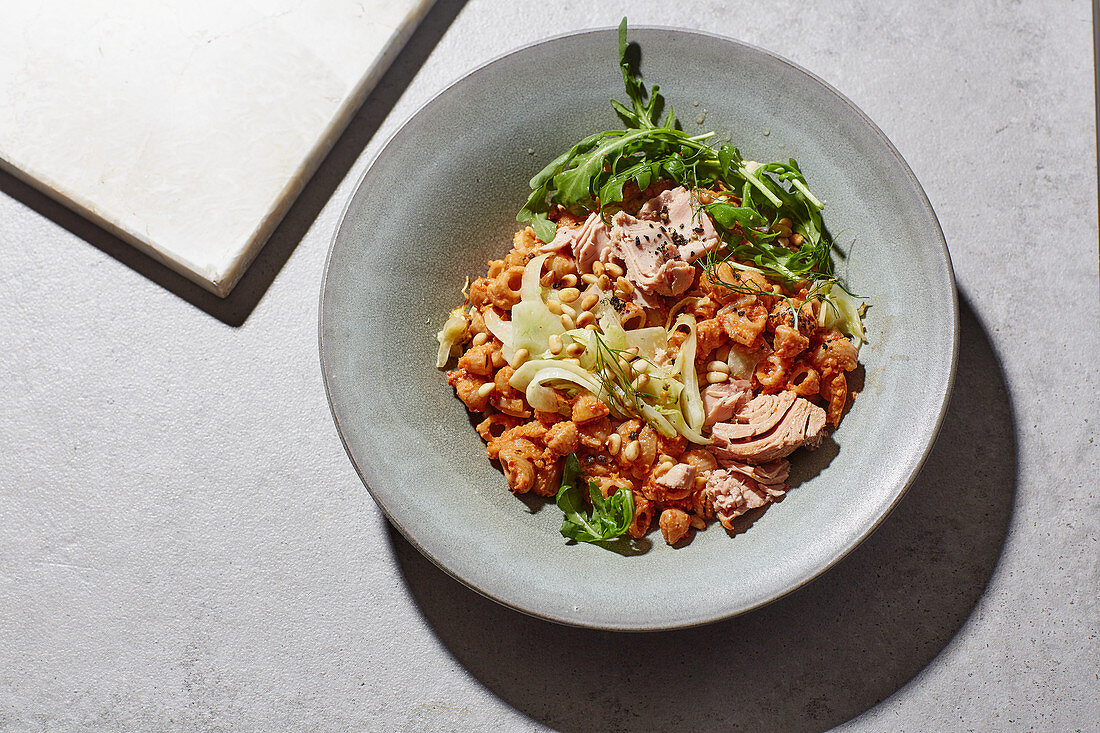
497	326
667	398
742	362
454	331
692	402
532	322
840	310
652	342
533	375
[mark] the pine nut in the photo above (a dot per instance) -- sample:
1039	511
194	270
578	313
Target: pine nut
519	358
498	359
588	278
480	338
592	327
568	295
717	377
631	353
589	301
572	360
641	381
631	451
574	349
555	344
567	322
585	319
614	443
718	366
625	285
624	366
641	366
569	311
613	269
569	280
486	389
597	268
666	458
554	307
604	283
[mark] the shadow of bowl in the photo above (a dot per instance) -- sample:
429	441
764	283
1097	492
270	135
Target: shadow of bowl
809	661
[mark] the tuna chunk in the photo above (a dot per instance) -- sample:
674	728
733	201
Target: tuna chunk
802	424
563	238
731	494
653	262
592	243
761	414
659	244
679	481
722	401
589	243
691	230
773	474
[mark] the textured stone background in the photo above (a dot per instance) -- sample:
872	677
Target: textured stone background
184	545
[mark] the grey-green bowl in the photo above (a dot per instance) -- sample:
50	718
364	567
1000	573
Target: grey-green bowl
440	200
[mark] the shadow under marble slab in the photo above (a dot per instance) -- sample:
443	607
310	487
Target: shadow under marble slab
235	309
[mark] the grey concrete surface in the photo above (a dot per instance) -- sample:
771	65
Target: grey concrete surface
184	545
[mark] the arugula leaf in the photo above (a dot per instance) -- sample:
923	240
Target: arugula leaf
644	115
610	517
595	171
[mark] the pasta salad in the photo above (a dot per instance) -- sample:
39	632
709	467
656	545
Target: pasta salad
663	334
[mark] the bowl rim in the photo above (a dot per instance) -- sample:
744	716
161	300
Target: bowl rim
812	575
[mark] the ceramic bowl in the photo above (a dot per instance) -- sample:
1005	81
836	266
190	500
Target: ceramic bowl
440	200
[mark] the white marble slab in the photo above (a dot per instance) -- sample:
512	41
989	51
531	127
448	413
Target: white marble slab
187	129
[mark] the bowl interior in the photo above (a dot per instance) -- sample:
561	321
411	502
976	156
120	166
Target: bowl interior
440	200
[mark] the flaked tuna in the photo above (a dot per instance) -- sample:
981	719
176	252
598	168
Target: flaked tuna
563	238
802	424
589	243
592	243
653	263
759	415
722	401
731	493
658	246
678	481
689	227
774	473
